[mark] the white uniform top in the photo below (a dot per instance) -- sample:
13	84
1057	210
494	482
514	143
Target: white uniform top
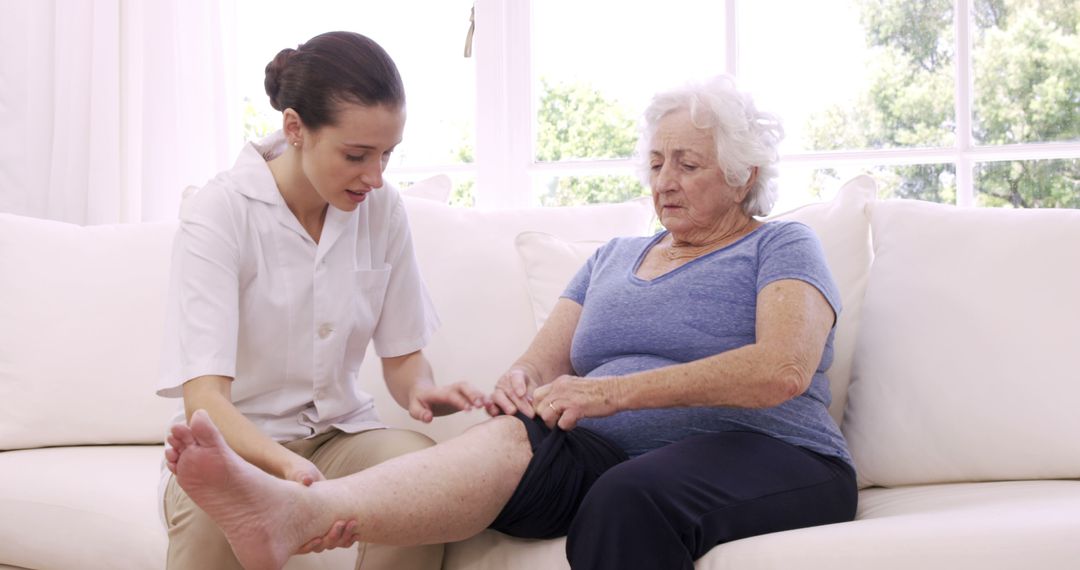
254	298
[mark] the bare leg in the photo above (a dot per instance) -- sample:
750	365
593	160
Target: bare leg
441	494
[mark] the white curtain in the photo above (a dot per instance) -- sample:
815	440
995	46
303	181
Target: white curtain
109	108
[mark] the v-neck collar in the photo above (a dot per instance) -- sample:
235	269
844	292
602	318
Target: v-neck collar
664	276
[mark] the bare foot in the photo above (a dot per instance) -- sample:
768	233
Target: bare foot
255	510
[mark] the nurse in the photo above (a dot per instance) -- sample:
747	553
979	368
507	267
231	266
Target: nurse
284	269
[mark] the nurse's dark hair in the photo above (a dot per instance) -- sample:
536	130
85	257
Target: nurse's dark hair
330	69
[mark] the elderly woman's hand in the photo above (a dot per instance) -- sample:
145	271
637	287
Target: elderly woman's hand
570	398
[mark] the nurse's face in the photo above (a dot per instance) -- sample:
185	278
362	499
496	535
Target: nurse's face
345	161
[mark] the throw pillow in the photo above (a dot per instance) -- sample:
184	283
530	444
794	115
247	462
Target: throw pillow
966	364
550	262
80	332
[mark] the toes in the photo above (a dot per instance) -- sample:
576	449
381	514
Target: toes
180	437
203	430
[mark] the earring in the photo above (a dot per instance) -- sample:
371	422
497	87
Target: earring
296	143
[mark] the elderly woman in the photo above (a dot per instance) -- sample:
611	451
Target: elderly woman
674	400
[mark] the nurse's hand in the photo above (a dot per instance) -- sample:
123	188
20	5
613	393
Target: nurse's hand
426	400
302	471
341	535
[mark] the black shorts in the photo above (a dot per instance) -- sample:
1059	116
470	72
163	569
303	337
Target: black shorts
564	466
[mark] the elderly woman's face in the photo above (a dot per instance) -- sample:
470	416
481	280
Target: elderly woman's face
688	187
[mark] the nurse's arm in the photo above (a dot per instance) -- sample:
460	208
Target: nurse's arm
214	394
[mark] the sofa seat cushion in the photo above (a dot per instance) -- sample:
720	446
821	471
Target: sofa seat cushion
95	507
86	507
990	526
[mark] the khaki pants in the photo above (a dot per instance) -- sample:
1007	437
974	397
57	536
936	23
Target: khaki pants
196	543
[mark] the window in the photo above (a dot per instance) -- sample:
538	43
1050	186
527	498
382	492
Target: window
978	109
971	102
953	94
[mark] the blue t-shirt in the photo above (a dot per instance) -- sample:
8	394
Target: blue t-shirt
705	307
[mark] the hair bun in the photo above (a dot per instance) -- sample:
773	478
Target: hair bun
274	71
330	69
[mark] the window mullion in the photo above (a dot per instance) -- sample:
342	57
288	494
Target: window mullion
965	191
503	125
520	124
731	37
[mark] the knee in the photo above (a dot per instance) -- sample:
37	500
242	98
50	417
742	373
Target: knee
506	432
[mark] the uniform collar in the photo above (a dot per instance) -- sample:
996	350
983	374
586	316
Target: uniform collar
261	186
253	168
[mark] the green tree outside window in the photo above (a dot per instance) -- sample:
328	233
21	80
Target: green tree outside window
577	122
1026	76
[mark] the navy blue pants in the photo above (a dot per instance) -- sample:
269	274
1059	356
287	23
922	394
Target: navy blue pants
667	508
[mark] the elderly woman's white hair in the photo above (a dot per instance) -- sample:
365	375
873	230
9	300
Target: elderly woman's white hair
745	137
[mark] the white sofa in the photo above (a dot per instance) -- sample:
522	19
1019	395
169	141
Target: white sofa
955	378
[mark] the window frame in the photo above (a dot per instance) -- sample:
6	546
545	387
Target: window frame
505	163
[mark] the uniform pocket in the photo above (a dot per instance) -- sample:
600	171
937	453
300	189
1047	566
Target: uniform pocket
369	294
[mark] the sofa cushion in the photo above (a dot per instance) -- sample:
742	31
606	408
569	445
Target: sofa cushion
842	225
966	365
81	320
990	526
550	262
85	507
101	501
